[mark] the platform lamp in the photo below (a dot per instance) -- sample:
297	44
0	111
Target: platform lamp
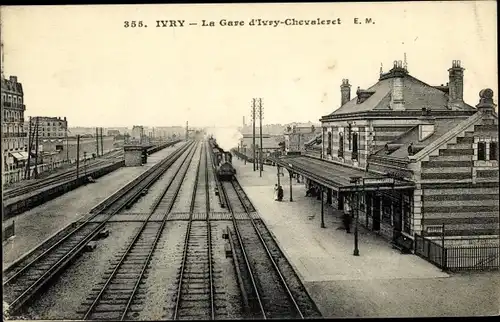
355	180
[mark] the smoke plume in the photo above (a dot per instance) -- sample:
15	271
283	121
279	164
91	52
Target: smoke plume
227	138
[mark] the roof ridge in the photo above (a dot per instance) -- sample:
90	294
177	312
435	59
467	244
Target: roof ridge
446	137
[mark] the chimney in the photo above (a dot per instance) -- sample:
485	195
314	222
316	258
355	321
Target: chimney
13	79
456	86
486	104
345	91
397	100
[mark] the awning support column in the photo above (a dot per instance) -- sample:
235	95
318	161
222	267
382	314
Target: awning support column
278	168
322	208
291	177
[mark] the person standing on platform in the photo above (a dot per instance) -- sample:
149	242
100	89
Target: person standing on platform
276	192
347	217
280	193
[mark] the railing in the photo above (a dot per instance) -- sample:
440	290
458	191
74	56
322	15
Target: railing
472	258
430	251
15	135
457	258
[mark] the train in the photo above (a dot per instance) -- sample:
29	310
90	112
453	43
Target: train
223	162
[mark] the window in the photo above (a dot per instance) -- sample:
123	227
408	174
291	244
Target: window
329	146
341	145
349	135
493	150
481	151
355	146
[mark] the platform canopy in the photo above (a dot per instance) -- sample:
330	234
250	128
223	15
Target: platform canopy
339	177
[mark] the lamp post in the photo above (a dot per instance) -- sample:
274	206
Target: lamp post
355	181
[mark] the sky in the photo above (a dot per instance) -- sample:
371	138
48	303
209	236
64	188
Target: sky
82	63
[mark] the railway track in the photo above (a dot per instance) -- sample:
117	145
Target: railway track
195	296
271	287
113	298
24	280
57	178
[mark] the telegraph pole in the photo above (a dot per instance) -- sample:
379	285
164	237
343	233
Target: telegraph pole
27	171
97	140
261	159
78	155
67	148
36	149
102	144
253	132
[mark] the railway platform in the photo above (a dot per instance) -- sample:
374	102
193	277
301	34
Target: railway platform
381	282
38	224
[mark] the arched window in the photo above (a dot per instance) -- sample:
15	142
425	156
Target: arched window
329	146
341	145
354	146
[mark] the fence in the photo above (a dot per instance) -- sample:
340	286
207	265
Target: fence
457	258
17	175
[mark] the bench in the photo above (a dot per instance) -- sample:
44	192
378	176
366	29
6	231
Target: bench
403	244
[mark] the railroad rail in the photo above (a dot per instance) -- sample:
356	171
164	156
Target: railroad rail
22	282
269	293
128	272
193	299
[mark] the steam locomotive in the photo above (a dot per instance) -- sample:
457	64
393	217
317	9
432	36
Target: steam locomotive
223	163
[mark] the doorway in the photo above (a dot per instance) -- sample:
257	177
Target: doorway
376	213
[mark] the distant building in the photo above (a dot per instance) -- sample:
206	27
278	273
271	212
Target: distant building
49	127
14	133
297	135
113	132
137	133
270	144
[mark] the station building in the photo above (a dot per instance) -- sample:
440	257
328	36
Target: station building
418	157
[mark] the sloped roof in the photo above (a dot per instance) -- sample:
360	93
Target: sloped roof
441	127
448	135
416	94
